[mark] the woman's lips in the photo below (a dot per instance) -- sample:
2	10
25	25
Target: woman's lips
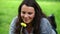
26	19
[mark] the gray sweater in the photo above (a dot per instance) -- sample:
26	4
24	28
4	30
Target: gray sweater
45	26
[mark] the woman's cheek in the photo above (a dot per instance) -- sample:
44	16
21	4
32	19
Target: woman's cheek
22	15
32	16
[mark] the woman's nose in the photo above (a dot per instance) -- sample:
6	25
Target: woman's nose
26	16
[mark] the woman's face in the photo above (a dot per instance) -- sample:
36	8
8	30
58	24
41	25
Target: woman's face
27	13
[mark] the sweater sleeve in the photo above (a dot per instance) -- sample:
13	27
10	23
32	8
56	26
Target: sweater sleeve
12	26
45	26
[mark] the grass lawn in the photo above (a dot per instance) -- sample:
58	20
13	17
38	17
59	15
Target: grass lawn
8	10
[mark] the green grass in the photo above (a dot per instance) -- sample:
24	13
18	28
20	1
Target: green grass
8	10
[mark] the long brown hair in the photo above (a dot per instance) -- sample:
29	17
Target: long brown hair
36	21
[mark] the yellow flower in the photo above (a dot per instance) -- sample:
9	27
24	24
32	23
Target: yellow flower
23	24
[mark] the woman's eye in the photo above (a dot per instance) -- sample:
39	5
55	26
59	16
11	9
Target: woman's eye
29	13
23	12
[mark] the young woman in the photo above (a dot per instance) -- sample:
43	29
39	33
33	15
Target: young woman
31	14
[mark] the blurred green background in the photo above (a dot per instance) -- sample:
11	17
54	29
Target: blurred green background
9	9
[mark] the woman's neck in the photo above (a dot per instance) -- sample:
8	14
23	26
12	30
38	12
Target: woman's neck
29	28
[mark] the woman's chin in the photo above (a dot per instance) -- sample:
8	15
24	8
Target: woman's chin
27	22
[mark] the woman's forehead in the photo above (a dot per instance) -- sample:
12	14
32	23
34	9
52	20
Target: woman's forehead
25	7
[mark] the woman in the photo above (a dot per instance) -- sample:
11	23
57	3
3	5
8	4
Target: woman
30	13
